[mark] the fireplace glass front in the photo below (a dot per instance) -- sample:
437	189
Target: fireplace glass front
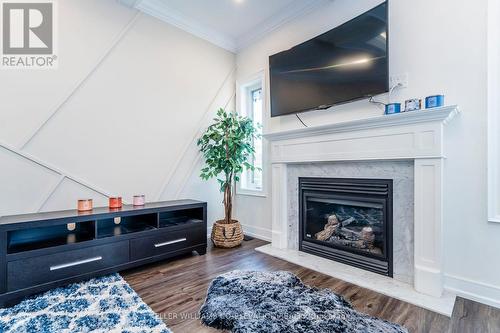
348	220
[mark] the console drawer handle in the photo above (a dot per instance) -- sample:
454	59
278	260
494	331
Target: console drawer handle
171	242
75	263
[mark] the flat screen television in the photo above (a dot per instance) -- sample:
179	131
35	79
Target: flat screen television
347	63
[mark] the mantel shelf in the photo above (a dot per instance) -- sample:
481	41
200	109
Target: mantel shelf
442	114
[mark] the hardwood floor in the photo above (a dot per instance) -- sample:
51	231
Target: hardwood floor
176	290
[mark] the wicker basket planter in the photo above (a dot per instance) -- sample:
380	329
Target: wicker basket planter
227	235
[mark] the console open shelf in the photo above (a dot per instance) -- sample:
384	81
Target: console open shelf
181	217
50	236
124	225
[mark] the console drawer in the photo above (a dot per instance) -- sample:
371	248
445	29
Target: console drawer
166	242
38	270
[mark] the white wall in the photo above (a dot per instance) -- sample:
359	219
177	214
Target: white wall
494	110
442	46
119	116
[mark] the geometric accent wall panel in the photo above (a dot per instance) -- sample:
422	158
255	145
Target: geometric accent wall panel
67	194
24	184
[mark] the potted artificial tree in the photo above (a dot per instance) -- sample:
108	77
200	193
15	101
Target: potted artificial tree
227	145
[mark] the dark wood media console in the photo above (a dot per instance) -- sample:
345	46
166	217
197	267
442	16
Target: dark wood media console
46	250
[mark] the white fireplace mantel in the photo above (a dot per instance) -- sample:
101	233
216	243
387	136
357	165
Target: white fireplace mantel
441	114
416	136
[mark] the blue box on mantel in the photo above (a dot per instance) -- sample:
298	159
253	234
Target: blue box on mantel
393	108
434	101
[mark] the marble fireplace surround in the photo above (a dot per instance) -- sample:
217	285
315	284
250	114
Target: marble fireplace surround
402	174
413	140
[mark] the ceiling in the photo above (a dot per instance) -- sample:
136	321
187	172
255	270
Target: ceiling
231	24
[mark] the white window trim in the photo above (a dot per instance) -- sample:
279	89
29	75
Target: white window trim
241	86
493	111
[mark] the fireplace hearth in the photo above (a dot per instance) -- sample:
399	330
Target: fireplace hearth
347	220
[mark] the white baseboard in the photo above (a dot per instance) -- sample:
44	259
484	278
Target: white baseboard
477	291
257	232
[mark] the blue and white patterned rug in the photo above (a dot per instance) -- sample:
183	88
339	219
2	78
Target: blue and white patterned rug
104	304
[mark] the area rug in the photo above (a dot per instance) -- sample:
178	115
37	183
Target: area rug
104	304
272	302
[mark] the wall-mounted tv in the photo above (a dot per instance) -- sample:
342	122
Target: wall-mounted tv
347	63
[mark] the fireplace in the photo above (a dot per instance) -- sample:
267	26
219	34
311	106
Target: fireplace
347	220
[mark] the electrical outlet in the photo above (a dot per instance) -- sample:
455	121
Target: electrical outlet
402	79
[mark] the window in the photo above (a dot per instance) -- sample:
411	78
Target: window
251	104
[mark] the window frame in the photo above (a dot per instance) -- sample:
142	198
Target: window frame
242	105
493	112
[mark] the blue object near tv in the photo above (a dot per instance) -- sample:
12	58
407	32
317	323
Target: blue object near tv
392	108
434	101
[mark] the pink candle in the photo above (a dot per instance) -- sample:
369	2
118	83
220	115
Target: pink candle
139	200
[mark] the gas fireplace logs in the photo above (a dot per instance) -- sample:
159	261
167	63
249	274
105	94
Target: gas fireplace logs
330	227
336	232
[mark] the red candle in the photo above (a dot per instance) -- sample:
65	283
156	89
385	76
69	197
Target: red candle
115	202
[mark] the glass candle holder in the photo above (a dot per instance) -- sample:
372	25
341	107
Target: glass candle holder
139	200
115	202
85	205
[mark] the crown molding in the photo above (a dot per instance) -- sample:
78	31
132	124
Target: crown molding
293	11
162	11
